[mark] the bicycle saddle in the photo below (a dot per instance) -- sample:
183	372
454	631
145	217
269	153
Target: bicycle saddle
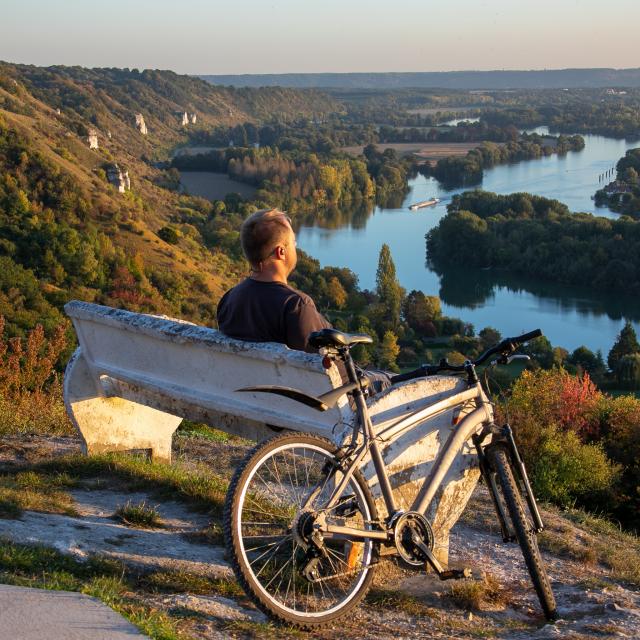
335	338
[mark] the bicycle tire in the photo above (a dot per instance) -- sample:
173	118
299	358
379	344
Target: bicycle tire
267	483
525	534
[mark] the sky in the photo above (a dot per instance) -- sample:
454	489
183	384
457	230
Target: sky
280	36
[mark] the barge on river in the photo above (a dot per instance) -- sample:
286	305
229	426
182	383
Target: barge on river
424	203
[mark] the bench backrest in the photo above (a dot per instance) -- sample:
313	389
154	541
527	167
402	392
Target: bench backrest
194	371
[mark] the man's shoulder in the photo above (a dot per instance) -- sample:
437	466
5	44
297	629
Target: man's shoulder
297	297
274	290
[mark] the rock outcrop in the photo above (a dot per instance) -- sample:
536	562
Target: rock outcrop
92	139
140	124
118	178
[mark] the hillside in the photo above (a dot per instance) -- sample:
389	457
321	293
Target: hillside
536	79
172	578
108	99
66	232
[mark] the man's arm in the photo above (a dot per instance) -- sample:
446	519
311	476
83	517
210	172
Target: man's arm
301	319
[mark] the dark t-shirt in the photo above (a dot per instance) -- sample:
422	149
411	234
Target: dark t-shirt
269	312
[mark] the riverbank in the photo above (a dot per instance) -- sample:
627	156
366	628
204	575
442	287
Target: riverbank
569	316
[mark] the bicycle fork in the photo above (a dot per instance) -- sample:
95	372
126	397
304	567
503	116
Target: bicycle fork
505	435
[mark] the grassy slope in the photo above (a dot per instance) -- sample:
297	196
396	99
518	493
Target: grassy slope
107	100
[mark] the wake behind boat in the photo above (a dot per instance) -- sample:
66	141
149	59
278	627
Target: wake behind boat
424	203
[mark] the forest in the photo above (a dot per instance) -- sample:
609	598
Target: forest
529	234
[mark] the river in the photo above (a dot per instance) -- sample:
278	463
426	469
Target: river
568	316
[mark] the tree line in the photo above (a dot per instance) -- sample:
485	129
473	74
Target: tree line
468	170
528	234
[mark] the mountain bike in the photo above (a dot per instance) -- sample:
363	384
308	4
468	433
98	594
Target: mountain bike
301	525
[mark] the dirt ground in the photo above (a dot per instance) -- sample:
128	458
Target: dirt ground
402	604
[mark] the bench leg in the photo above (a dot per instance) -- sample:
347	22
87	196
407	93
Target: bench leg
114	424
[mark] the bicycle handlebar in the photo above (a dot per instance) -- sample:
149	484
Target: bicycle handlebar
504	348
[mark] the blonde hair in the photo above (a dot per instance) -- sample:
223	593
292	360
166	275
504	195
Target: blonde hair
262	232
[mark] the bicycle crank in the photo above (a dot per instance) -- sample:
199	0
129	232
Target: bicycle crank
414	541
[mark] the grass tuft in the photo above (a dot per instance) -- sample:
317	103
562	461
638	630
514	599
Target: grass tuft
474	594
138	514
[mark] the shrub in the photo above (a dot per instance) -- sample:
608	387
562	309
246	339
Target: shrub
30	390
565	470
169	235
556	417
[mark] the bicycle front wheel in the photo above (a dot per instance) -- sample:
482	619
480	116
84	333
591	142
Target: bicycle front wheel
272	507
524	530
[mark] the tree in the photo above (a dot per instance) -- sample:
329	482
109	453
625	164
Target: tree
387	286
630	176
628	371
335	293
389	351
626	344
587	361
420	311
489	337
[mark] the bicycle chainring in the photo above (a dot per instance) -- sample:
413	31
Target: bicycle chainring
409	527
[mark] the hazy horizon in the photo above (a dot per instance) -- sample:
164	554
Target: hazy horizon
286	36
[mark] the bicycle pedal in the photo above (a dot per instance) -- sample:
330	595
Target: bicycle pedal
455	574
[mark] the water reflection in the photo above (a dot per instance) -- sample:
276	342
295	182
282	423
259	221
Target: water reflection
569	316
471	289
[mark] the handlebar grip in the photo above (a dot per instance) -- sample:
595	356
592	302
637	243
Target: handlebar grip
536	333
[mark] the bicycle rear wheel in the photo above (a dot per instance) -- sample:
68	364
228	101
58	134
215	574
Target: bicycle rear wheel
270	512
524	530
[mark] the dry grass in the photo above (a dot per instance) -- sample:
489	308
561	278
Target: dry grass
35	413
477	594
399	601
30	491
592	541
185	582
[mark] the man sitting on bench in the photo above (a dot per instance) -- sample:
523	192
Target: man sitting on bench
263	307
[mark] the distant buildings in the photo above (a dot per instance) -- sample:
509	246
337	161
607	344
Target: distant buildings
617	187
118	178
185	119
193	118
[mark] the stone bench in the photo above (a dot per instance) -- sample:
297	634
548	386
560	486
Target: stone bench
135	377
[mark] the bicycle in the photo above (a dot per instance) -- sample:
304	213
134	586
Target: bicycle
301	525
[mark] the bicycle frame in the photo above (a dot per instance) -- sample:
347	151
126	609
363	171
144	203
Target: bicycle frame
472	423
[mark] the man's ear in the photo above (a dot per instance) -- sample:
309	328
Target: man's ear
279	252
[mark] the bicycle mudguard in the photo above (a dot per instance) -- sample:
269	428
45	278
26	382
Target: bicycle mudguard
293	394
321	403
